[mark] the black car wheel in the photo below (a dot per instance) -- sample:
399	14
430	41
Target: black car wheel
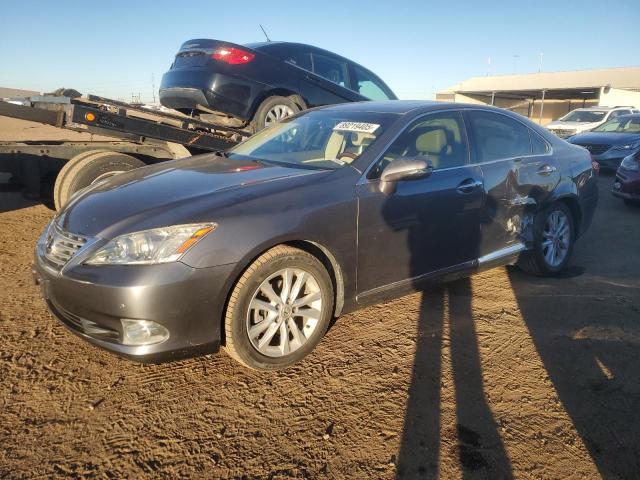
272	110
279	309
553	239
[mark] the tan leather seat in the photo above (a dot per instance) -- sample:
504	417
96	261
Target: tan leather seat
334	146
433	144
340	142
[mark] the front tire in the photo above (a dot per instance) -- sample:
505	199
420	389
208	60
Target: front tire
553	239
279	309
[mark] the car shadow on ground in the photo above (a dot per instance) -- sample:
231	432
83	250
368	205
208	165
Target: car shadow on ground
594	365
592	360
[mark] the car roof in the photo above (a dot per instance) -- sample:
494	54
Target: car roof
629	115
604	109
265	46
407	106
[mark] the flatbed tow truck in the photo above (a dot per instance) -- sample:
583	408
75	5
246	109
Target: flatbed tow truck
58	169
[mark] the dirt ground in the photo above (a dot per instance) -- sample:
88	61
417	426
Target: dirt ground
499	376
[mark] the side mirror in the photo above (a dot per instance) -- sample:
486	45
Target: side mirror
413	168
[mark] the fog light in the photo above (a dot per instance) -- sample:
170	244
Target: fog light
142	332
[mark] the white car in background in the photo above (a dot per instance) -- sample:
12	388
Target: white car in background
584	119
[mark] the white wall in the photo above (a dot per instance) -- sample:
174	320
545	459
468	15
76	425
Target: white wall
616	96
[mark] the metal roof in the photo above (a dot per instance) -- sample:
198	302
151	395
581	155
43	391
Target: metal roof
622	77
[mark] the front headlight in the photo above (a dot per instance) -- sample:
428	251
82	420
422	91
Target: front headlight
159	245
630	163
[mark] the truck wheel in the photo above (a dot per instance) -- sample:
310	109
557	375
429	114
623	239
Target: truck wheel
272	110
279	309
553	238
87	168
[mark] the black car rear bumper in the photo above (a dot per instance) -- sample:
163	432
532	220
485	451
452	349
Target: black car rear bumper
207	91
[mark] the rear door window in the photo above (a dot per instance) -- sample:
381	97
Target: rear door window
332	69
498	137
538	145
298	56
368	86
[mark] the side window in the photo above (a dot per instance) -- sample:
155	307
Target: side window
330	68
367	85
617	113
301	59
498	136
439	137
291	54
538	145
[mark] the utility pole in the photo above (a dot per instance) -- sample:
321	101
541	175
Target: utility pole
153	87
515	59
488	66
541	57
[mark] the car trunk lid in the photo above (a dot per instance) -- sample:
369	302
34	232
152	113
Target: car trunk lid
198	52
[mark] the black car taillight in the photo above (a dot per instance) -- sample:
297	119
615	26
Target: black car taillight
233	56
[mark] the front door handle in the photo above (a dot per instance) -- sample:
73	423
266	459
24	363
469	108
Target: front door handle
546	169
467	186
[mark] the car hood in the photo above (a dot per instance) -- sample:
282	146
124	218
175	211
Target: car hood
602	138
170	193
571	125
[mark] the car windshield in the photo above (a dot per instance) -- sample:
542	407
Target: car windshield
317	139
620	125
583	116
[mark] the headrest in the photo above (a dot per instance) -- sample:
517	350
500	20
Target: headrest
360	139
432	141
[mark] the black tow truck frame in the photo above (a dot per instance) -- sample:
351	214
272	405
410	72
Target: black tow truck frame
59	168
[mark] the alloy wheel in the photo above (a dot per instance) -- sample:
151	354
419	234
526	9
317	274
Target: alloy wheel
556	238
277	113
284	312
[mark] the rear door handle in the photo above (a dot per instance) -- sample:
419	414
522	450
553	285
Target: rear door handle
467	186
546	169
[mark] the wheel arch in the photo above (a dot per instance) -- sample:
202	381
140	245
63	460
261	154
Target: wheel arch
295	97
332	265
573	205
322	253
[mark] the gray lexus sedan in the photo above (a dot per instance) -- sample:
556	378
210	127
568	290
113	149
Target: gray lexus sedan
258	248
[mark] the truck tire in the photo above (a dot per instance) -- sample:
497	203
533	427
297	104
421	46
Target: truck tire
87	168
272	110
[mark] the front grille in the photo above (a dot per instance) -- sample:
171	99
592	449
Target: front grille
596	149
61	246
563	133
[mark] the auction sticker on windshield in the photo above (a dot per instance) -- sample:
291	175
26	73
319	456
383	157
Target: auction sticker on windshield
359	127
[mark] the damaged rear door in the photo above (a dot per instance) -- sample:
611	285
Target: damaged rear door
519	174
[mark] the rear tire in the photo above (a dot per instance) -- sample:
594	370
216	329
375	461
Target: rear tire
553	239
272	110
87	168
259	326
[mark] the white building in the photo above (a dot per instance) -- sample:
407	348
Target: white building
547	96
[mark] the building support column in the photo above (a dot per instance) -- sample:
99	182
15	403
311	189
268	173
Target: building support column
541	107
